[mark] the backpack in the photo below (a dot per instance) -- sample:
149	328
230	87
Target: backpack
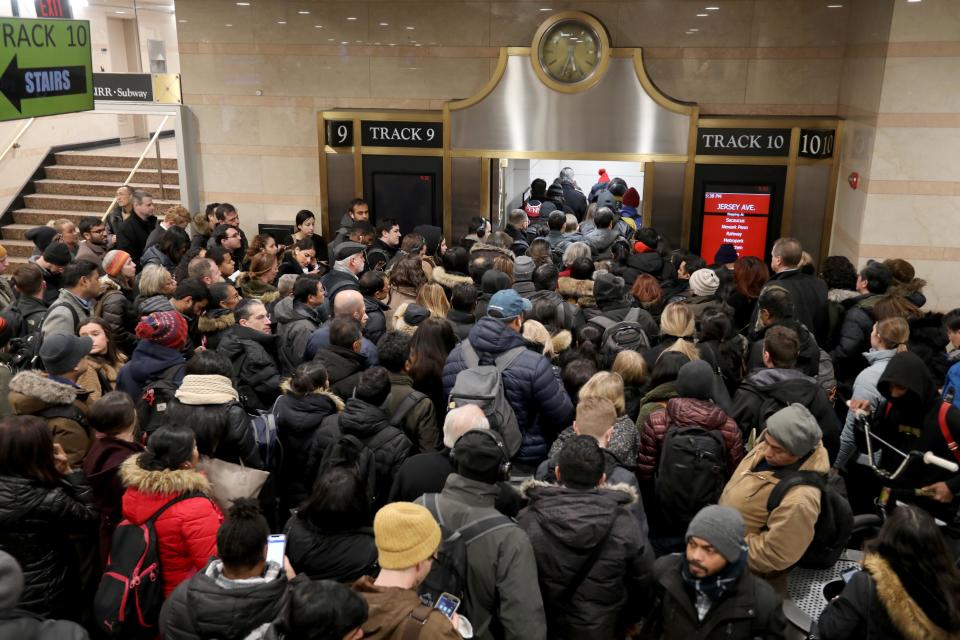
25	348
950	386
626	335
691	473
449	571
155	399
265	434
835	523
483	386
352	452
130	594
406	405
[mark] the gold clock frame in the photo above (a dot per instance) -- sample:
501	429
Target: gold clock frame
603	39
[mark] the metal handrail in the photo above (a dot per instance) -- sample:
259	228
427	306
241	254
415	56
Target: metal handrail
16	138
153	140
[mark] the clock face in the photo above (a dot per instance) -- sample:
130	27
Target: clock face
570	51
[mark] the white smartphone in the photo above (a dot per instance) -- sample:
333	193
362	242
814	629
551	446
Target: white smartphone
276	548
447	604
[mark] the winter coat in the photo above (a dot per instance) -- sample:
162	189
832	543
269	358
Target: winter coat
187	531
767	391
65	315
101	468
398	297
223	431
490	251
448	280
854	336
32	311
117	311
565	526
344	367
600	241
390	609
152	304
530	385
776	539
875	605
699	305
502	567
809	294
61	404
298	418
337	554
420	422
253	288
320	340
376	324
253	354
50	279
864	388
35	521
654	399
116	217
364	422
288	266
649	262
337	280
148	363
808	360
461	322
569	316
132	236
19	623
686	412
295	322
153	255
91	252
209	606
578	292
213	324
750	609
618	311
624	442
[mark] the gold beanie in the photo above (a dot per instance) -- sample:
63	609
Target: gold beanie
405	534
3	252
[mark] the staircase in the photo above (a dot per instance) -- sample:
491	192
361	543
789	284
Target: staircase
79	184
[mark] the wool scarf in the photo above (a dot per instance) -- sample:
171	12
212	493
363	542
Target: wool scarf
715	586
206	390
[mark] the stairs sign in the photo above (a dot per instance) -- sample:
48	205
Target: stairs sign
45	67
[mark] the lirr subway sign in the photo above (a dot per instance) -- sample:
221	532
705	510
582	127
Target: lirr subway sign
45	67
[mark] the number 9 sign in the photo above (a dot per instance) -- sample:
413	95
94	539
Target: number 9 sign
340	133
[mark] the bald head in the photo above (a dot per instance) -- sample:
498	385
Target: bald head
347	303
461	420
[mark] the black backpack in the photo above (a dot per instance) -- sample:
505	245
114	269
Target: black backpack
128	600
691	473
449	571
352	452
835	522
155	399
25	348
626	335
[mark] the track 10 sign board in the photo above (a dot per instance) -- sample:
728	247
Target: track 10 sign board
45	67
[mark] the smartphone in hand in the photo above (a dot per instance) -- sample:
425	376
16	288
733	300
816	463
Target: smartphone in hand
447	604
276	548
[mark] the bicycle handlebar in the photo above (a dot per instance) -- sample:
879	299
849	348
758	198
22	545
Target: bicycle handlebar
930	458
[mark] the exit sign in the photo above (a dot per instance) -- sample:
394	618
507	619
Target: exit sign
53	9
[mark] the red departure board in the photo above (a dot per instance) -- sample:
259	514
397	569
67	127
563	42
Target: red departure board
735	217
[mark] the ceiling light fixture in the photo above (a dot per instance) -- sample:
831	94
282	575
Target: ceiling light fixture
711	8
834	6
351	17
546	9
318	26
410	28
181	20
702	15
281	22
384	24
228	25
304	13
243	4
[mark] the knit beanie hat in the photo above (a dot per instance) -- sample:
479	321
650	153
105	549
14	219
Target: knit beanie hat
415	314
631	198
164	328
57	253
114	260
704	282
604	178
722	527
478	456
795	428
3	252
695	380
523	268
726	254
405	534
41	237
607	287
11	581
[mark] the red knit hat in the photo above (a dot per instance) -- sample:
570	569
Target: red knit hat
631	198
164	328
604	178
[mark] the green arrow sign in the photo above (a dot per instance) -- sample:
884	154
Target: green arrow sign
47	67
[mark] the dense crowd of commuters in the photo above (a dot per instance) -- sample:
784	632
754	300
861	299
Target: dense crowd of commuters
563	426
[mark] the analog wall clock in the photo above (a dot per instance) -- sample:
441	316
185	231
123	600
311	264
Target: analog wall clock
570	51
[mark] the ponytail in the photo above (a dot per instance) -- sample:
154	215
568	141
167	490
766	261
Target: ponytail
894	333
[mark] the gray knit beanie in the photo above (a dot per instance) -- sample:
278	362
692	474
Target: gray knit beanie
722	527
795	428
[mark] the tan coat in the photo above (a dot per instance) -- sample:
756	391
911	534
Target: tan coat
398	297
777	539
390	607
33	393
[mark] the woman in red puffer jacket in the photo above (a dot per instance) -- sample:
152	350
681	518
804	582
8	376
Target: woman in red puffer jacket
694	408
187	531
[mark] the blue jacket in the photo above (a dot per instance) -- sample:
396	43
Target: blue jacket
530	384
148	362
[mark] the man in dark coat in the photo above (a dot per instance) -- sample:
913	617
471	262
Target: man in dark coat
779	385
776	309
809	292
345	274
708	592
350	305
342	359
297	317
610	293
593	561
872	282
572	194
463	303
252	351
531	387
133	233
408	409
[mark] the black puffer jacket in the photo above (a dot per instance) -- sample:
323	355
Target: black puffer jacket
365	422
35	521
343	556
201	608
223	431
376	320
649	262
298	418
253	354
343	368
854	336
565	526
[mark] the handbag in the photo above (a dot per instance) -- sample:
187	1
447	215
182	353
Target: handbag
229	481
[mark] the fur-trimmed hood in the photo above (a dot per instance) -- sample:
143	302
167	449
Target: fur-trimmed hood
166	482
31	385
334	398
906	615
561	341
207	323
531	488
449	280
491	250
576	291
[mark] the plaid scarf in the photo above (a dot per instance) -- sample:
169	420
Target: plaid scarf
714	587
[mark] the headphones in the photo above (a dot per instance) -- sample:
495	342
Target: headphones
503	469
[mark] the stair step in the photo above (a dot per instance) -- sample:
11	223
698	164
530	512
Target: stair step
18	248
36	217
95	204
100	189
15	231
80	159
109	174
